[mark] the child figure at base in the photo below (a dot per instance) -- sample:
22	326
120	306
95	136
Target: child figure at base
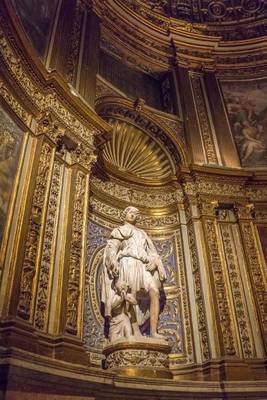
121	312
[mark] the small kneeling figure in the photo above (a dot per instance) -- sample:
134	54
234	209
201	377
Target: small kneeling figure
121	313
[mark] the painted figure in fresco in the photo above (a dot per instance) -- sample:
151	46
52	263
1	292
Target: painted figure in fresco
130	256
247	110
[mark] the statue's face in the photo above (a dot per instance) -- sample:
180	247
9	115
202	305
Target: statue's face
121	287
132	216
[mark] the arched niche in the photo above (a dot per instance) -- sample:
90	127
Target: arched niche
137	165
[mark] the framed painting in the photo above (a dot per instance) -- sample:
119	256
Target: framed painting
11	137
246	105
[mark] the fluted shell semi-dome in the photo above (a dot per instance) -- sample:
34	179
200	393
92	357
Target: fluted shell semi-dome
132	151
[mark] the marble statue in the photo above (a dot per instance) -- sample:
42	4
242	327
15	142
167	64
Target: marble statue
133	276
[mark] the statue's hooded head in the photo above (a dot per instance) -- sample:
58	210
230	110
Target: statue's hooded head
130	214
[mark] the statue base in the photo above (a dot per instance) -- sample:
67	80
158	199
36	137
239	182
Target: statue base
146	357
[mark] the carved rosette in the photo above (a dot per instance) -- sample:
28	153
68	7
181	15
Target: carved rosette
34	232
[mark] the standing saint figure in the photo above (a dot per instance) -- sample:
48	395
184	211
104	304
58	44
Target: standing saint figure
130	256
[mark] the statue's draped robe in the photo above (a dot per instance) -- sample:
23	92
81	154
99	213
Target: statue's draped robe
133	250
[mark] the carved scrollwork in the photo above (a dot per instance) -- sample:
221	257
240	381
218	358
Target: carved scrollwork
255	271
220	288
154	198
13	103
48	248
145	221
33	235
74	276
202	323
137	358
237	292
203	119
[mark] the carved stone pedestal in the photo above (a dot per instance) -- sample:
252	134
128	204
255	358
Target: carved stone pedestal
146	358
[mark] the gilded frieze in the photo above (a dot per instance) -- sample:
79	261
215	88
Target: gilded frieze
154	198
150	222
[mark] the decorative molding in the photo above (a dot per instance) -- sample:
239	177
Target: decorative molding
43	96
204	123
255	272
223	308
75	257
29	267
15	106
149	222
146	197
187	327
48	249
202	322
238	295
137	358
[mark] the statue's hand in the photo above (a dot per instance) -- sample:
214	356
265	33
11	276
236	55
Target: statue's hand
115	269
151	266
131	299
